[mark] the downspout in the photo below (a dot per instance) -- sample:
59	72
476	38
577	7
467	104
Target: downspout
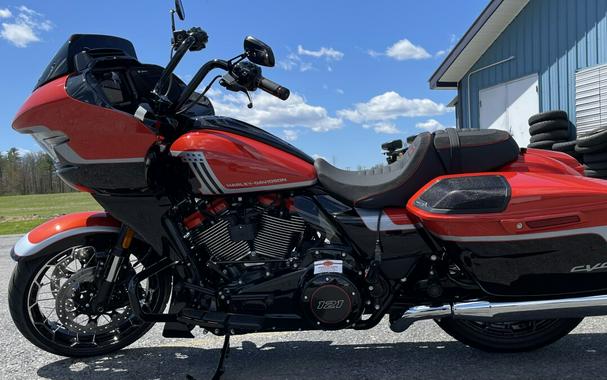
475	72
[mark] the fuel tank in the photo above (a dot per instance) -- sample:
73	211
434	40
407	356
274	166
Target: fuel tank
223	162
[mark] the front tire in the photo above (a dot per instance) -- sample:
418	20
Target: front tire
508	336
34	317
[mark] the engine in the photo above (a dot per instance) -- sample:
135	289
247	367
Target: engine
263	230
272	262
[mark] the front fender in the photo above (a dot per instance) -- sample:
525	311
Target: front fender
58	232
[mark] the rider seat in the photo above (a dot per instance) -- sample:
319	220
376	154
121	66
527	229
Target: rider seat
452	151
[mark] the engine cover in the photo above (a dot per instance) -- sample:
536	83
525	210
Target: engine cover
331	301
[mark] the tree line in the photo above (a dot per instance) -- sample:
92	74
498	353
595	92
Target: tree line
30	173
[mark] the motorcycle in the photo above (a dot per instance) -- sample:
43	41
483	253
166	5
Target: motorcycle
211	222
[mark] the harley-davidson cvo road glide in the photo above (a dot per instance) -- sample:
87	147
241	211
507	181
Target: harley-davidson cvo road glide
505	248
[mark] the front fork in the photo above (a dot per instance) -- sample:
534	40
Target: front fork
110	271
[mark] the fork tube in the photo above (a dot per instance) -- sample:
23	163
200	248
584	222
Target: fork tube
112	268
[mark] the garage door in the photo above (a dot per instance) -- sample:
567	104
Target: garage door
508	107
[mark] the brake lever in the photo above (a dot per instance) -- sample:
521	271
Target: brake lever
250	104
229	82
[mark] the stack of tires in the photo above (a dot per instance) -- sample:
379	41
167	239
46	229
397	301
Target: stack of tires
550	130
594	150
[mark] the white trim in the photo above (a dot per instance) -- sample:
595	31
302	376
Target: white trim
24	247
601	231
369	218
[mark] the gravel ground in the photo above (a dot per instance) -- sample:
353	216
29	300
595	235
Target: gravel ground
422	352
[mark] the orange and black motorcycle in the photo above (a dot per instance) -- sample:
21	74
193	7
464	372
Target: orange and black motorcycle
504	247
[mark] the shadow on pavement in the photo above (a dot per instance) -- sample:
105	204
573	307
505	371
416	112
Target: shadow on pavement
575	356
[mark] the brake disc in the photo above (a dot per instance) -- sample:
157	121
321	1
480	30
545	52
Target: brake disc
62	269
73	306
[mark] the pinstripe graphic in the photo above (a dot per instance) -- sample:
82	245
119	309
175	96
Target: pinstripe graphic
204	188
369	218
600	230
209	177
205	178
214	185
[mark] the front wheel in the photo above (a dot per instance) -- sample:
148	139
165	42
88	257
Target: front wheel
49	300
508	336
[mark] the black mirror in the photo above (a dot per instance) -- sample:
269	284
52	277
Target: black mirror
258	52
179	10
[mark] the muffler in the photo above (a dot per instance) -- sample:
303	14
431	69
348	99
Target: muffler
506	311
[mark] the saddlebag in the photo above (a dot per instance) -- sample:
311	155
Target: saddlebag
521	234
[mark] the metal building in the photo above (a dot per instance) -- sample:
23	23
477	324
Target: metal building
525	56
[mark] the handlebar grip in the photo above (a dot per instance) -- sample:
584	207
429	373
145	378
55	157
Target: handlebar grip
275	89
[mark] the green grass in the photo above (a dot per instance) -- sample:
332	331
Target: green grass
21	213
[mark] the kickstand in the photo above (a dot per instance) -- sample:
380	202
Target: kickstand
225	351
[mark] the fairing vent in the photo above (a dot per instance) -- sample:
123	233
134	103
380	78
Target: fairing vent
275	239
466	195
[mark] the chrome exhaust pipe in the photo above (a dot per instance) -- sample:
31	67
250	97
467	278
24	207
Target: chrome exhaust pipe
506	311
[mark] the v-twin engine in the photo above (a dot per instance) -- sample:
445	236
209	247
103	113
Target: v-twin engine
247	233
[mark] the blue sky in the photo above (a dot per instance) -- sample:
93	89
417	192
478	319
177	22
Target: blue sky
357	71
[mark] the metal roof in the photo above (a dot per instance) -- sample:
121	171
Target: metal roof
484	31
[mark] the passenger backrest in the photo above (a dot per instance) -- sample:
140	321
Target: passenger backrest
479	150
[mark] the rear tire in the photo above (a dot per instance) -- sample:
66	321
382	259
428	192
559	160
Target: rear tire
508	336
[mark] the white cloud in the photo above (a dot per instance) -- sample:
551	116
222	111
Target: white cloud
293	61
387	128
431	125
290	134
452	41
374	53
390	106
340	91
327	53
271	112
24	28
405	49
19	34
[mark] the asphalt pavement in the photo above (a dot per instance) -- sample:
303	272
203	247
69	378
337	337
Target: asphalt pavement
422	352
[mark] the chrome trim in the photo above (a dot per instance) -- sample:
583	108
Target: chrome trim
577	307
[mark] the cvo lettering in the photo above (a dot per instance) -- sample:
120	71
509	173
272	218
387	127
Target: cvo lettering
590	268
331	304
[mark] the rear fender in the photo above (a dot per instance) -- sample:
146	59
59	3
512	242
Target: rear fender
63	232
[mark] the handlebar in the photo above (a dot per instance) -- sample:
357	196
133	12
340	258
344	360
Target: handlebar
274	88
168	71
197	79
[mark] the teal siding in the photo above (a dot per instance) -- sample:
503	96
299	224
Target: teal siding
551	38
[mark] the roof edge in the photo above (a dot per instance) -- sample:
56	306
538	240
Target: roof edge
462	43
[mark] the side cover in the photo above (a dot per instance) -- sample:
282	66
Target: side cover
63	232
225	162
521	233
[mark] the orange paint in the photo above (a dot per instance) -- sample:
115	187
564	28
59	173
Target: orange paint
70	222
